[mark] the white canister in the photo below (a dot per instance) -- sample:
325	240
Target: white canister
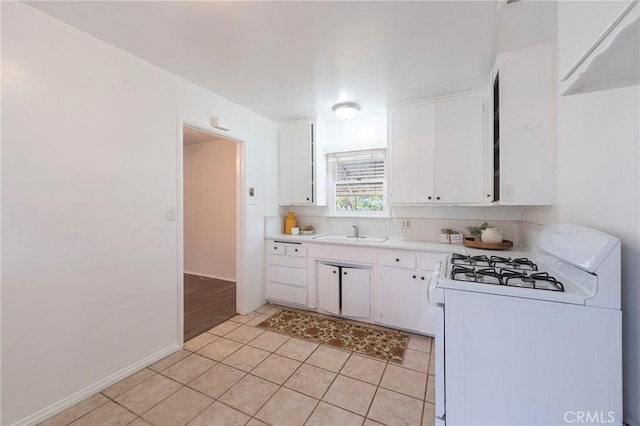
491	235
295	230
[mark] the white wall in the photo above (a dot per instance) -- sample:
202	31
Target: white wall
210	209
365	132
599	186
89	164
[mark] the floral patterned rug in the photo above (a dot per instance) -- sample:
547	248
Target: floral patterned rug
370	341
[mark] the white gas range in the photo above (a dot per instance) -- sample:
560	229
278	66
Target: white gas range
522	342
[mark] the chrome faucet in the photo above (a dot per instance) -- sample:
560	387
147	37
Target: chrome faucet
355	230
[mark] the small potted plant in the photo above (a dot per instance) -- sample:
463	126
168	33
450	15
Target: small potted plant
476	231
448	235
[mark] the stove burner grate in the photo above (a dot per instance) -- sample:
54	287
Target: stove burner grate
537	280
506	262
481	260
479	275
513	277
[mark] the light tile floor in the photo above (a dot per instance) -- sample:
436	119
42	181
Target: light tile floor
238	374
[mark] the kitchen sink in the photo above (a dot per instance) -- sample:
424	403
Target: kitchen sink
350	239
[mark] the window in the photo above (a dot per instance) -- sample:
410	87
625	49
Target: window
357	183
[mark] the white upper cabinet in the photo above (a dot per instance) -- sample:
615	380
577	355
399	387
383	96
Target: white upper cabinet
436	151
411	154
301	164
525	130
458	152
598	44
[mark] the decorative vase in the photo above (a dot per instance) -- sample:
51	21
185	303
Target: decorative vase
491	235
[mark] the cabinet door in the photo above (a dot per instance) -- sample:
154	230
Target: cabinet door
411	154
400	298
459	151
329	288
527	126
295	163
355	292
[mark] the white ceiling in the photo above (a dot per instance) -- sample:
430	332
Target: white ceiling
287	60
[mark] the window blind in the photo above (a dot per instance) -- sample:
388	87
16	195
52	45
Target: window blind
358	173
358	180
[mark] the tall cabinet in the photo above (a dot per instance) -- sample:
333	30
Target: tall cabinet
301	165
524	132
437	149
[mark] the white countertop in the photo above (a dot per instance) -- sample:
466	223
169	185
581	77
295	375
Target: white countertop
402	244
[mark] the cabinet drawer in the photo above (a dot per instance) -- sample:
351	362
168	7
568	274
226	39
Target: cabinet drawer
284	275
429	264
408	262
290	261
287	293
276	248
296	250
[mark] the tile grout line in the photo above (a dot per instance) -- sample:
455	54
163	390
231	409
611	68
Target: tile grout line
256	314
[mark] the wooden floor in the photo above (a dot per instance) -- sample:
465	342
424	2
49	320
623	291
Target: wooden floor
206	304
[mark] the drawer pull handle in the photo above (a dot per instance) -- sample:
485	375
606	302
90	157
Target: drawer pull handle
414	277
296	250
422	278
397	260
275	248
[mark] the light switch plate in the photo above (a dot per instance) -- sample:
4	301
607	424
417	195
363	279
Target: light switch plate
170	213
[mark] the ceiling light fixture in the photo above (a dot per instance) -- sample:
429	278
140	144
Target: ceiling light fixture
346	110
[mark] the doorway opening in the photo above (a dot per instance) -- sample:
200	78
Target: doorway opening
209	225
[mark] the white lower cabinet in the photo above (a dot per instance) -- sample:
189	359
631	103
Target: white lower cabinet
356	285
344	290
403	300
400	298
389	287
329	288
286	273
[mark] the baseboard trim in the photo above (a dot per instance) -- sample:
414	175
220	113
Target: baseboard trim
72	399
211	276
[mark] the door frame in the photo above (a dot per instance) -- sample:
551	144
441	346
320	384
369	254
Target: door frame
241	215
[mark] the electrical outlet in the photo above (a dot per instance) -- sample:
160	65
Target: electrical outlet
406	224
